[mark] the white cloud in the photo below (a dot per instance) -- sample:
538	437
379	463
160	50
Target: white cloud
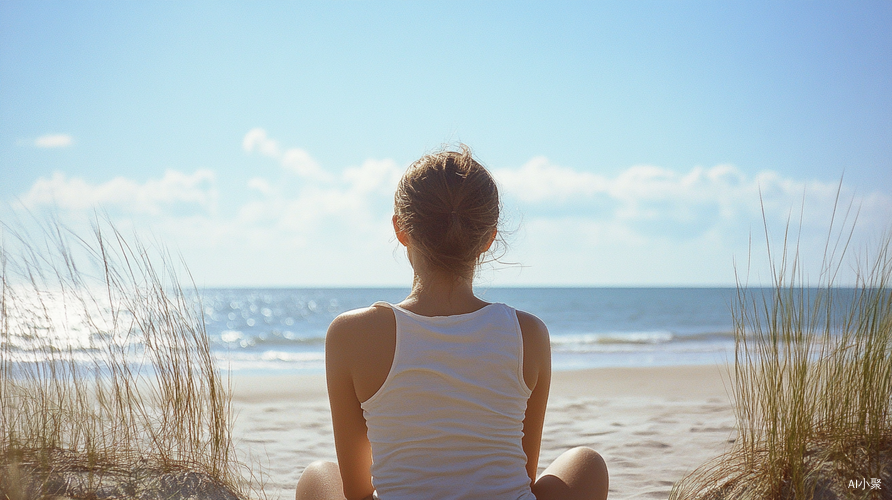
294	160
308	231
256	140
539	180
261	185
301	163
374	176
154	197
54	141
651	193
652	225
351	201
315	227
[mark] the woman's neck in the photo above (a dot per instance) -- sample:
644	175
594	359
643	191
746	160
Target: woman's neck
442	294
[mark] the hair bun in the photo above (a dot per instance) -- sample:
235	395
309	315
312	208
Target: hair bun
448	203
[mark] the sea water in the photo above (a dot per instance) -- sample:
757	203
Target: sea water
283	330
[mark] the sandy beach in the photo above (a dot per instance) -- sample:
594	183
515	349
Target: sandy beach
652	425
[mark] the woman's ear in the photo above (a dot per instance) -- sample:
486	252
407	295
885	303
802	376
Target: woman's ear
492	238
401	235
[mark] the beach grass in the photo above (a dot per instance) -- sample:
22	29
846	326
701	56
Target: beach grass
811	383
105	367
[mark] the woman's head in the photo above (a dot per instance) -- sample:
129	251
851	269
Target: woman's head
448	205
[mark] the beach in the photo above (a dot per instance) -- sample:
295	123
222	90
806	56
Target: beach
652	425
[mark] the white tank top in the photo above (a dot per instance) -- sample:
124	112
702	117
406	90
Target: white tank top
448	421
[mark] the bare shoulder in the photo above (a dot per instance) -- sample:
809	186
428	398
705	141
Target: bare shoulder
360	345
351	325
533	328
354	330
536	350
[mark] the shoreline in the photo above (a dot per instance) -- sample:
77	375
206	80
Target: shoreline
653	425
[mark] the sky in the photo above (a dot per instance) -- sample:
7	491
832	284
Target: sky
634	143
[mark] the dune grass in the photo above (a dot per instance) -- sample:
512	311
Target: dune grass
811	384
104	362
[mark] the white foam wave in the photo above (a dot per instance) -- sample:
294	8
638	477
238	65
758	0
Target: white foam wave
653	337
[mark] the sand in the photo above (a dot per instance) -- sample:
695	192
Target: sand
651	425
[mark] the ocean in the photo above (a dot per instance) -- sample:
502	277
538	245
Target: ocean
283	330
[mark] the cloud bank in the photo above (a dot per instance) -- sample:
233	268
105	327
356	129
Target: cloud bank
653	225
303	224
704	197
154	197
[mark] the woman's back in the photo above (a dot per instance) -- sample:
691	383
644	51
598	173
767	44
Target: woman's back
452	406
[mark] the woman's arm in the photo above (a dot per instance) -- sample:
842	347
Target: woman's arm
351	440
537	375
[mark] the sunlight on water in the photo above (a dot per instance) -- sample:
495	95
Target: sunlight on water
64	322
284	329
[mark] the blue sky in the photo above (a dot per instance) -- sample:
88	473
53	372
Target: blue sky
262	140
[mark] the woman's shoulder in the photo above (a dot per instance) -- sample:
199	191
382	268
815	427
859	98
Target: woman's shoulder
531	325
359	347
536	349
365	322
535	335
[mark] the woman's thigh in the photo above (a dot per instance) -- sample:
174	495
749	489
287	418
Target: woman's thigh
578	474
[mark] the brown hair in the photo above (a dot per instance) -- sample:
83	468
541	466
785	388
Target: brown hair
448	204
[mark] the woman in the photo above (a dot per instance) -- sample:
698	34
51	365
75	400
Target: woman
443	395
